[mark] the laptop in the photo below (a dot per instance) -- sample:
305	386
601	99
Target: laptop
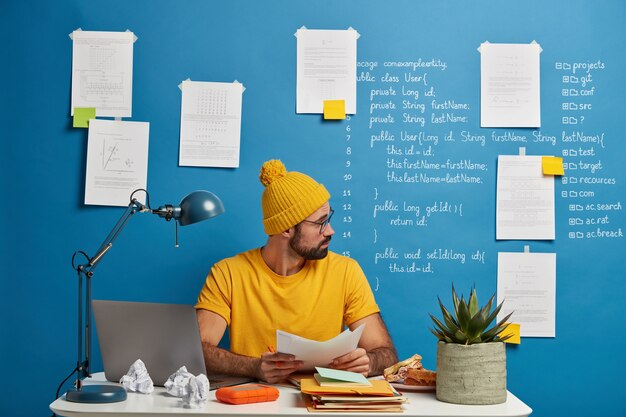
164	336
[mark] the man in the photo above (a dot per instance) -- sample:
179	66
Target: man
293	283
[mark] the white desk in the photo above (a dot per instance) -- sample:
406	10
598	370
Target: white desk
290	403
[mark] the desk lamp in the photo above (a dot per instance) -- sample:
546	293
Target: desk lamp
195	207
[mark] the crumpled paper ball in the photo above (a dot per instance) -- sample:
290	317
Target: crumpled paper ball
137	379
177	383
197	393
193	390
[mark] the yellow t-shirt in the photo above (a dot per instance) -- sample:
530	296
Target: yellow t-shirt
314	303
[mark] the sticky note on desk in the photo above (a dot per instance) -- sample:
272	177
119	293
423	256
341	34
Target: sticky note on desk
82	116
512	329
332	377
334	109
552	165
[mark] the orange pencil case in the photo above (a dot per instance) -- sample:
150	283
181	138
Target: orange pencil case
246	394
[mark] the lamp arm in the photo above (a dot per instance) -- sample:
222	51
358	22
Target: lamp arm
132	208
86	271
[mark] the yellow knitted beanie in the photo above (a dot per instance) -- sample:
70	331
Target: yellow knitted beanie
289	197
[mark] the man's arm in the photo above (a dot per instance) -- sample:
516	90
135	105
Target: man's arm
377	343
375	352
270	367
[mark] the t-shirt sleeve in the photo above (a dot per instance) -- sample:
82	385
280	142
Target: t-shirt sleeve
216	293
360	300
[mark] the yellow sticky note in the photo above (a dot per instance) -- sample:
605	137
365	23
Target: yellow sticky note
82	116
552	165
334	109
512	329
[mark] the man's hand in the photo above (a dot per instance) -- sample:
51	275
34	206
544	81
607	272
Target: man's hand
355	361
276	367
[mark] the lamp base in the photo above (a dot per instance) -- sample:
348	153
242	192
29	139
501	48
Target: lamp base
97	394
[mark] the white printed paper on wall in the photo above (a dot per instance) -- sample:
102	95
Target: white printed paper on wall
525	199
210	124
326	69
102	72
117	161
509	85
527	285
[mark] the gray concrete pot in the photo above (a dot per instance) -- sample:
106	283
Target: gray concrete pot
471	374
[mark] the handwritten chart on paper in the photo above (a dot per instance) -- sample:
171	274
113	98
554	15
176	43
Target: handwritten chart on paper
102	72
117	161
210	124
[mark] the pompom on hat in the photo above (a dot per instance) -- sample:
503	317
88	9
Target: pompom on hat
289	197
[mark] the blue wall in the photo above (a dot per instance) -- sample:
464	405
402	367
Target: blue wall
578	373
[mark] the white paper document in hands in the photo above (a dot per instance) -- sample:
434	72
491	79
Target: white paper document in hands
315	353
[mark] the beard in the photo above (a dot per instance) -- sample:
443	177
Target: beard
308	253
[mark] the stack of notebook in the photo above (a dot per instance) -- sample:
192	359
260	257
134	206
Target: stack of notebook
335	391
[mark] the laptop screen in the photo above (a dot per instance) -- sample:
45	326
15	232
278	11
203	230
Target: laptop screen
164	336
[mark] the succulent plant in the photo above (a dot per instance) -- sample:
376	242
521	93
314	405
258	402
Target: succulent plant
469	323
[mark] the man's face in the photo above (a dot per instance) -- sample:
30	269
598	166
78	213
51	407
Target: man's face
307	241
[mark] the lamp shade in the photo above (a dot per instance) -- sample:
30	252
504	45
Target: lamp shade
198	206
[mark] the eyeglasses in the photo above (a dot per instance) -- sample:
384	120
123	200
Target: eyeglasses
324	223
